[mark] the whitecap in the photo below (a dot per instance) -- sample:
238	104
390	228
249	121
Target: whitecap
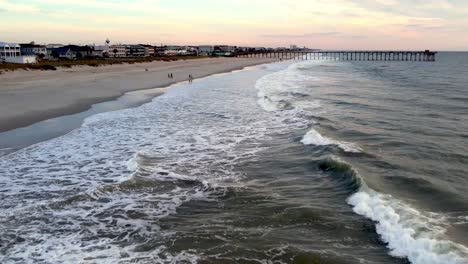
408	232
312	137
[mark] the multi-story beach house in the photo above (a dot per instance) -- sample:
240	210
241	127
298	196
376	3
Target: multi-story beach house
118	51
149	50
135	51
159	50
30	49
72	52
11	52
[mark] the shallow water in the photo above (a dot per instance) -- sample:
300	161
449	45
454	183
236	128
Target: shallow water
16	139
309	162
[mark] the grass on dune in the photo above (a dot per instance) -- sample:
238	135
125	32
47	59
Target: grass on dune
52	65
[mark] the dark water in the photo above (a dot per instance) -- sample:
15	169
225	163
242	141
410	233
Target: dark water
314	162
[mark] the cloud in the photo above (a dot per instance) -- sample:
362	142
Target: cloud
308	35
423	27
7	6
316	35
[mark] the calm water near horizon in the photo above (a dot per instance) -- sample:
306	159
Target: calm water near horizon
292	162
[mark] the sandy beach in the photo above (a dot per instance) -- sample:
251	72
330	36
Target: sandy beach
27	97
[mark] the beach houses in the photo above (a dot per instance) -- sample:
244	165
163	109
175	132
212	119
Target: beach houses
149	50
72	52
118	51
159	50
205	50
224	50
135	51
126	51
31	49
11	52
101	51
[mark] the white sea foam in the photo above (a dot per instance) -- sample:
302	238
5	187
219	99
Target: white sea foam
408	232
312	137
98	192
276	89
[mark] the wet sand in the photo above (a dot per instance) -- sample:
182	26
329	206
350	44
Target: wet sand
27	97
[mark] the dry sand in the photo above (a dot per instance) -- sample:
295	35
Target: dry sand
27	97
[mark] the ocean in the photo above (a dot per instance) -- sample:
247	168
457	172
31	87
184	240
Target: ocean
288	162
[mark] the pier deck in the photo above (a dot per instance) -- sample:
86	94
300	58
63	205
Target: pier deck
344	55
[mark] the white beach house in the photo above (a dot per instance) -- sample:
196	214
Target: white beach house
11	52
118	51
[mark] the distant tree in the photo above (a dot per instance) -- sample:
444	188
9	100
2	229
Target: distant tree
115	52
79	56
41	56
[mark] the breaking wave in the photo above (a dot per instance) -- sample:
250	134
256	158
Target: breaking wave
407	232
315	138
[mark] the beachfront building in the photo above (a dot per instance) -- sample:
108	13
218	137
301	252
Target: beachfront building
182	51
135	51
172	52
72	52
11	52
101	51
30	49
190	51
117	51
149	50
224	50
159	50
50	48
205	50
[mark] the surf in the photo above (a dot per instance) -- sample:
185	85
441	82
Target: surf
406	231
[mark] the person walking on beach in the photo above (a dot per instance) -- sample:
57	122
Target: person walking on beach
172	77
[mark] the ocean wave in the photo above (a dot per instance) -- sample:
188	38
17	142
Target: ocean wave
342	172
99	192
278	90
407	232
312	137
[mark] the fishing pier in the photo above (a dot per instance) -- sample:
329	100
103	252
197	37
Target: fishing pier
343	55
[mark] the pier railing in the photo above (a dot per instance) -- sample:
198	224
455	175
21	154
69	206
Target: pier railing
343	55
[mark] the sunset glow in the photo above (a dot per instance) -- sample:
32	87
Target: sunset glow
340	24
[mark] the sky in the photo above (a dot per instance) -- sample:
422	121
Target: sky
326	24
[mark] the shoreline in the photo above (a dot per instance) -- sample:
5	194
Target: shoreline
28	97
16	139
